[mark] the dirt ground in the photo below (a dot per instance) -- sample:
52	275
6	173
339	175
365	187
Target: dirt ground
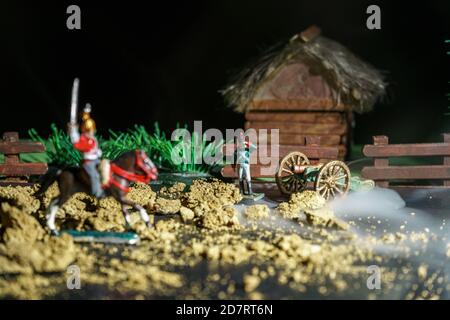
208	243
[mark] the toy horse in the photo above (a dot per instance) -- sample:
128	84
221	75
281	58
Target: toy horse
132	166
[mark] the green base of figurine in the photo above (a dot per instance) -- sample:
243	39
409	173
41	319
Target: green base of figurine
103	237
254	196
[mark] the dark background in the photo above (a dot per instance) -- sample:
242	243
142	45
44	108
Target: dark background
166	61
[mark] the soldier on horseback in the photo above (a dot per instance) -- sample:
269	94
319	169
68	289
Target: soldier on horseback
130	167
88	145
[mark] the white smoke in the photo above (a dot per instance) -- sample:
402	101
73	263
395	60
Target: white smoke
378	201
380	212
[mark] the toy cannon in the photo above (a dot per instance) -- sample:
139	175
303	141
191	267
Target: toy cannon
330	179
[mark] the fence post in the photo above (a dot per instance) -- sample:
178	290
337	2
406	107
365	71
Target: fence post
446	137
11	137
381	162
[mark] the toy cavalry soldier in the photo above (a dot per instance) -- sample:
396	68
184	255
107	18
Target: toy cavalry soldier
130	167
242	159
86	142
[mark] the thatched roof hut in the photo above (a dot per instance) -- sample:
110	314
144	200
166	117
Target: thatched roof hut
346	80
308	87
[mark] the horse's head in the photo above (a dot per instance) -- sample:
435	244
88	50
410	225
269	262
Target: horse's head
134	166
145	166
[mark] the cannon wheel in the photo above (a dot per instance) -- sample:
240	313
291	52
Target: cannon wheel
333	179
287	180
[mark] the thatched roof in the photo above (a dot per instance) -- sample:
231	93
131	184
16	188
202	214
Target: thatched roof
355	83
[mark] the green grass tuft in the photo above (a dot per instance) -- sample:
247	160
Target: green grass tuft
60	150
160	149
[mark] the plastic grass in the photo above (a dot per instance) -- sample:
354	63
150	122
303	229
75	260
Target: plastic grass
182	156
187	155
60	150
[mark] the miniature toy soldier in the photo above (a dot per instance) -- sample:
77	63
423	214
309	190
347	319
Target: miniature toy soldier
88	145
242	159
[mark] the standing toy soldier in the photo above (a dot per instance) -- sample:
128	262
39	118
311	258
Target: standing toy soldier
86	142
242	161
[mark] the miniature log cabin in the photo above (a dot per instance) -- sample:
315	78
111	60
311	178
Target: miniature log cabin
311	86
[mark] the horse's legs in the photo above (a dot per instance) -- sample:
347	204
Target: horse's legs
142	211
51	215
126	215
53	208
119	196
144	215
66	188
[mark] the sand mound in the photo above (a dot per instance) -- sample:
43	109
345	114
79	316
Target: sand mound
313	207
257	212
26	247
211	194
179	249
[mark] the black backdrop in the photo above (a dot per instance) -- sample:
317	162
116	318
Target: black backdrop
166	61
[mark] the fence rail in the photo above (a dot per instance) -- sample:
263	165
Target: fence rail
382	172
13	170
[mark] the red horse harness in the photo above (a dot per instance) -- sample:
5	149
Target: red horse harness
149	174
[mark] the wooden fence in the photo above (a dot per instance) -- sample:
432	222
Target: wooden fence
13	170
382	172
